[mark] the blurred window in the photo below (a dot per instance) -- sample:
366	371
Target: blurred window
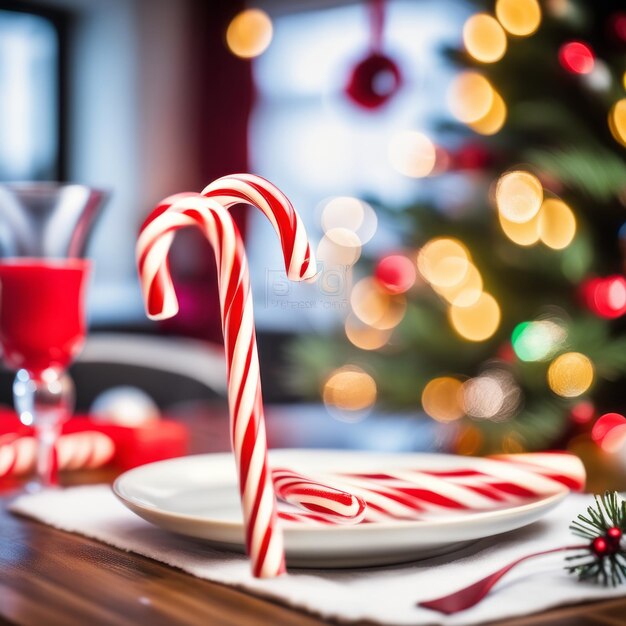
29	88
311	141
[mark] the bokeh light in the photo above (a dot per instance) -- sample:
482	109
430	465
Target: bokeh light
493	395
363	336
482	397
470	97
518	196
443	262
617	121
469	441
537	341
347	213
583	412
570	374
477	322
606	297
338	247
374	306
249	33
519	17
493	120
609	432
523	234
557	224
576	57
412	154
466	292
396	273
484	38
441	399
350	389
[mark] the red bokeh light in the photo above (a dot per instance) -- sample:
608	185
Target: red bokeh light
576	57
396	273
583	412
606	297
609	432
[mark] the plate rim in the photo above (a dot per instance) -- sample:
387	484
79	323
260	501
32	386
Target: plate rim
478	517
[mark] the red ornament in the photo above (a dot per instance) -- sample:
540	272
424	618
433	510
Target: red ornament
606	297
599	546
377	77
576	57
614	536
396	273
373	81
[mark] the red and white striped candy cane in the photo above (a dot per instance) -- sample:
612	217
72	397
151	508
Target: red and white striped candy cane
410	494
86	450
251	189
263	536
320	499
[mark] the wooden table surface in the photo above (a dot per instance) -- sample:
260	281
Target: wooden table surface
49	577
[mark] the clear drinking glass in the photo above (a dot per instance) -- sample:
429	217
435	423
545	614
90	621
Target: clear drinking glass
43	233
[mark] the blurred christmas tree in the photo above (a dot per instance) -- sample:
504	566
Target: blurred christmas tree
504	316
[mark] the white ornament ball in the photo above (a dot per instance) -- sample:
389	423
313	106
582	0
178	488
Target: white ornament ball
124	406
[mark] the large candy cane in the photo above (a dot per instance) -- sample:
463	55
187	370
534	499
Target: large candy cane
263	537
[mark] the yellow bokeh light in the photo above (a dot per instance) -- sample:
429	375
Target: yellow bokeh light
440	399
249	33
557	224
494	120
350	389
519	17
443	262
484	38
470	97
570	374
519	196
466	292
375	307
525	234
469	441
513	444
363	336
477	322
412	154
617	121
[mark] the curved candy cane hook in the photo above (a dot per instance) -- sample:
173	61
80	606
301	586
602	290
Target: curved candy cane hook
235	189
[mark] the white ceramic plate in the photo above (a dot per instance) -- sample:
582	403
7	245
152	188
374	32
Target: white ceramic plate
197	496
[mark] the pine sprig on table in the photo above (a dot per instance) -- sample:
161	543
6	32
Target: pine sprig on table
604	526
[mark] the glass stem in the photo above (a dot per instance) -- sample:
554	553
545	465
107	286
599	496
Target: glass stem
44	401
47	434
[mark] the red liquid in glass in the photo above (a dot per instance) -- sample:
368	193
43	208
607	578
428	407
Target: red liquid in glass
42	321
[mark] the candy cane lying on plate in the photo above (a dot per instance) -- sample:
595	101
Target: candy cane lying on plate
86	450
321	499
410	494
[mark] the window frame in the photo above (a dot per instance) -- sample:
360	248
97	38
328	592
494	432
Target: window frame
60	21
